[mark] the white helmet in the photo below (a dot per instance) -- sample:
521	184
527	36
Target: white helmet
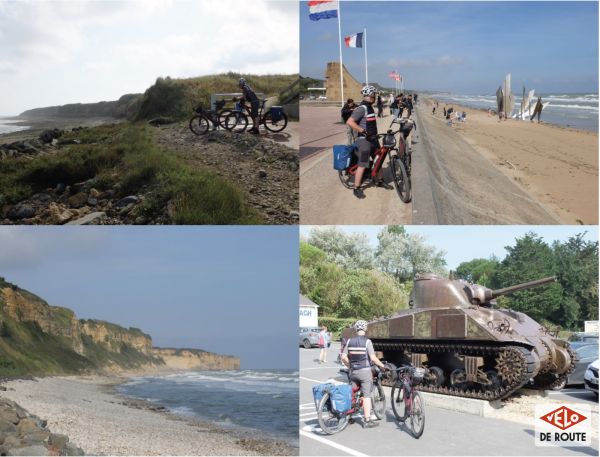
360	326
368	91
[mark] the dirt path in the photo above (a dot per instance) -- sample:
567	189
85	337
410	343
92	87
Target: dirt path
265	170
323	199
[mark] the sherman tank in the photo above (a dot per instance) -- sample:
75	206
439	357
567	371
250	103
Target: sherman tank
467	346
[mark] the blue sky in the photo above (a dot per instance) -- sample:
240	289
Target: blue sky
462	47
467	242
232	290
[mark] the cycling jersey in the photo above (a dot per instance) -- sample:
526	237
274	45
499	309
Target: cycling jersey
364	115
249	94
359	349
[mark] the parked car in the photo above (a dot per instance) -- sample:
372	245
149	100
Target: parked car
587	353
591	377
581	337
312	97
322	97
309	337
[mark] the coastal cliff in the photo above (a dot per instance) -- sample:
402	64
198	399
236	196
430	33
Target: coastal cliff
194	359
39	339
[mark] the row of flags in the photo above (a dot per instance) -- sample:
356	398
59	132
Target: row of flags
330	9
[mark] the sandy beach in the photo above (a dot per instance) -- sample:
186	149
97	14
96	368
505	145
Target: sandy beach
101	422
558	166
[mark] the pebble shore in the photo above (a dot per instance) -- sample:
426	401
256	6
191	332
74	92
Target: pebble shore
96	419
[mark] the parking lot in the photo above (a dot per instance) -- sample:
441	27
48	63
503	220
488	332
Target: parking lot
446	432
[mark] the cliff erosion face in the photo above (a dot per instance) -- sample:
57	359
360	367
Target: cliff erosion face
23	306
194	359
113	336
39	339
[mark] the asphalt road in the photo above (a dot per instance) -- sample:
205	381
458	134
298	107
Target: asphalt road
446	432
323	198
452	182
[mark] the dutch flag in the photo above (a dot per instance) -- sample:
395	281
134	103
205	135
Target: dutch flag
322	9
354	41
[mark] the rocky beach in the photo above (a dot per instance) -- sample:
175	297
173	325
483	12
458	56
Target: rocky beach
99	421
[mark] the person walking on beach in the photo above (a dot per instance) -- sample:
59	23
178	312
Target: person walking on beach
347	110
390	102
379	106
323	344
539	106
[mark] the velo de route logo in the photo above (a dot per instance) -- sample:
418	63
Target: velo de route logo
567	425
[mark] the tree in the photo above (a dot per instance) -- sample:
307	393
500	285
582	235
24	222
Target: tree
346	250
403	255
479	271
577	270
531	258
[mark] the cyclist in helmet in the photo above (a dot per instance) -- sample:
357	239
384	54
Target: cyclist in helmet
359	355
250	97
364	121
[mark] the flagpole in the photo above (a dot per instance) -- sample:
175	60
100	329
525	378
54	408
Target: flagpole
339	15
366	64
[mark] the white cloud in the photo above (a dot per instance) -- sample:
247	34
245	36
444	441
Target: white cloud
102	49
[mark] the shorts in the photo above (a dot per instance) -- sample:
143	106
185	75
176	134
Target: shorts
364	150
254	108
364	378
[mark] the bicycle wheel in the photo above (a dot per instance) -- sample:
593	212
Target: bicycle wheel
401	181
222	115
379	402
417	416
347	179
199	125
275	126
397	399
329	422
236	122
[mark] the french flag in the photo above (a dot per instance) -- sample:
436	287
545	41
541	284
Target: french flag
322	9
354	41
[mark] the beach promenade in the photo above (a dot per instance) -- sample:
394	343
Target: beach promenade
477	172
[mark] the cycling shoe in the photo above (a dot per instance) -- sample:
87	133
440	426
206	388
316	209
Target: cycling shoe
370	424
358	193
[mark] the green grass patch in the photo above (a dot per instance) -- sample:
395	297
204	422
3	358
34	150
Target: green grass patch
125	153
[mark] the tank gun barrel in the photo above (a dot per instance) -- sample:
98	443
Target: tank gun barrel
526	285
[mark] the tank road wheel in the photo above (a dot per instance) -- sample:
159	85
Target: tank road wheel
436	377
458	378
495	381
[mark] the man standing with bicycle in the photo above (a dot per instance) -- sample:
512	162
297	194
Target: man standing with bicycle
250	97
364	121
358	355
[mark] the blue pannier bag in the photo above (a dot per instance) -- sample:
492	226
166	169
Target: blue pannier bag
276	113
340	397
342	156
318	391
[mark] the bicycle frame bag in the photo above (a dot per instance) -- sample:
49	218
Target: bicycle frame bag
276	113
318	392
342	156
340	396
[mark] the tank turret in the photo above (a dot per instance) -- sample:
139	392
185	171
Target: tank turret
470	348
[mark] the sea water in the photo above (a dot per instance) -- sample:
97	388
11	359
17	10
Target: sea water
578	110
7	125
264	402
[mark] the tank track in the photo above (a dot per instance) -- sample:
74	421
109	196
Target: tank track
524	368
550	383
